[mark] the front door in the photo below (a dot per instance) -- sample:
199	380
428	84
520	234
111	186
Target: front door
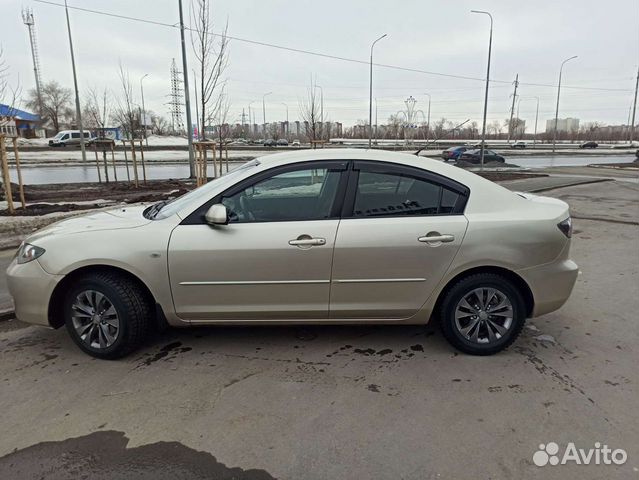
396	243
273	260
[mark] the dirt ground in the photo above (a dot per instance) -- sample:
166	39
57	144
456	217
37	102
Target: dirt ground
66	197
344	402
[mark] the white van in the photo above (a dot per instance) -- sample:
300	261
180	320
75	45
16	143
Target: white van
70	137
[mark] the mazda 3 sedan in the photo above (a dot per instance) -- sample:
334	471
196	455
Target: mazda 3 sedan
335	236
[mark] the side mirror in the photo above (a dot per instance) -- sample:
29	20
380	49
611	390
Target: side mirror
217	215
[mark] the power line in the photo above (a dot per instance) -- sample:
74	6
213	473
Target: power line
325	55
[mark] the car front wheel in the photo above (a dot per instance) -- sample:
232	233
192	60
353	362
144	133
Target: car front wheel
106	314
482	314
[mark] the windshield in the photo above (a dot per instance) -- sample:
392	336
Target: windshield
201	194
58	136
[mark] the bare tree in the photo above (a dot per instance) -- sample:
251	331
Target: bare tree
96	109
56	103
10	95
212	58
310	113
124	112
222	108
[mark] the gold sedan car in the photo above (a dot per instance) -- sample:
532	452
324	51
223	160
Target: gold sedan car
332	236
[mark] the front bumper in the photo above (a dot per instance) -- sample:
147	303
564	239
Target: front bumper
31	288
551	284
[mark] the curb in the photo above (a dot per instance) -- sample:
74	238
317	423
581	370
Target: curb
571	184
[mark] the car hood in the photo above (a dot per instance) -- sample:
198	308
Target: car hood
121	218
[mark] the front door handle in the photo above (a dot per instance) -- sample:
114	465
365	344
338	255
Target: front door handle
435	237
307	241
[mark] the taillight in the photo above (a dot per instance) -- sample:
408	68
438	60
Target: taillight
566	227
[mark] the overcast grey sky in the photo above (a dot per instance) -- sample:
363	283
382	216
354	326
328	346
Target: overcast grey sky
530	38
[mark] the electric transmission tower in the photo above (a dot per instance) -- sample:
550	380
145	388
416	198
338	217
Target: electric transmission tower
29	21
176	100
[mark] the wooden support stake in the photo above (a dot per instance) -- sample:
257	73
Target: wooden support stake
97	162
20	184
135	164
115	172
226	151
126	161
143	164
6	179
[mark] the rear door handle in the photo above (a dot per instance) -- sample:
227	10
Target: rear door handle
434	237
303	241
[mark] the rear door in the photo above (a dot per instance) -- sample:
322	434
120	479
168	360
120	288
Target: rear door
400	230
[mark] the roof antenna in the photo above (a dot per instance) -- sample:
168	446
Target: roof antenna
443	135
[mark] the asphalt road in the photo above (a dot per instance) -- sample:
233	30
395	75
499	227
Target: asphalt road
331	402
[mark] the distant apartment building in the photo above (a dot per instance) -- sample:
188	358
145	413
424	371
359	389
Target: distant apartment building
568	125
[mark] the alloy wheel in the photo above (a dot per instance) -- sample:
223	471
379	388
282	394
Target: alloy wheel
95	319
484	315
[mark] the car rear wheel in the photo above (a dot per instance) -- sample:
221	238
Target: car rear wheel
106	314
482	314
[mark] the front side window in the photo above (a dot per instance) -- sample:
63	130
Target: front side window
394	194
305	194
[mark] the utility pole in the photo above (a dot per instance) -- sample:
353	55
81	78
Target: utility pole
78	111
197	109
512	109
264	113
286	119
187	103
634	110
146	139
370	96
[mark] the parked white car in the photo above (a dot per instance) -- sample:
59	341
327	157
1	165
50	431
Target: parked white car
313	236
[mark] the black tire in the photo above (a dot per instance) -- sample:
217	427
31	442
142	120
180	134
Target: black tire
462	288
134	311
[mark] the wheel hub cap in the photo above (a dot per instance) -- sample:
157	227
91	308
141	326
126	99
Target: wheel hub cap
95	319
484	315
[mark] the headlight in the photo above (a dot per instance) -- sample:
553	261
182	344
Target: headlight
28	252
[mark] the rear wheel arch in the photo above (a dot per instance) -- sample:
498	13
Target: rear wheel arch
56	302
517	281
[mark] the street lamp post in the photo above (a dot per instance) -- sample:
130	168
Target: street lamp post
286	119
490	47
370	96
554	136
146	139
375	120
428	120
264	113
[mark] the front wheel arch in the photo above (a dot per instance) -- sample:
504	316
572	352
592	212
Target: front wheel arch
56	302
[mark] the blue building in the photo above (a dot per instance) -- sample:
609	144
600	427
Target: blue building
16	122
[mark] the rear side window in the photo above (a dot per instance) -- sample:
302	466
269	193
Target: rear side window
394	194
75	135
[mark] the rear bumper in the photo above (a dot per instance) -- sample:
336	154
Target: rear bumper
551	284
31	288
